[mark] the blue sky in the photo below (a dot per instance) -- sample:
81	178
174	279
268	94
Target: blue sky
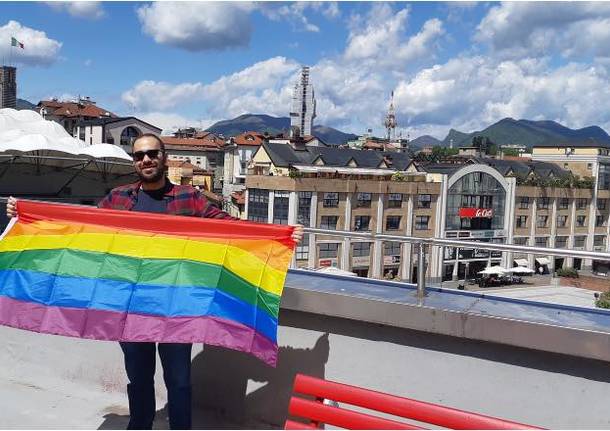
450	64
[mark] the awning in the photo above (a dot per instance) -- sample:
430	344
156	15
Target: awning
543	260
521	262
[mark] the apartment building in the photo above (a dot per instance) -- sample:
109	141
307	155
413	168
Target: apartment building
475	199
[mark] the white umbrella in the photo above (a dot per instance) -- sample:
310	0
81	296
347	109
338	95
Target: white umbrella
520	270
493	270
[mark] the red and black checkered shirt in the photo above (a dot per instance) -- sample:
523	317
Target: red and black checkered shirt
181	200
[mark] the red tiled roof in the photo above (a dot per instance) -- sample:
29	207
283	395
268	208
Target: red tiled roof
211	196
249	138
74	109
517	158
179	164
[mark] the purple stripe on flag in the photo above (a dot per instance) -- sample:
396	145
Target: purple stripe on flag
116	326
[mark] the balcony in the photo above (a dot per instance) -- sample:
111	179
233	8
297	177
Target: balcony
521	360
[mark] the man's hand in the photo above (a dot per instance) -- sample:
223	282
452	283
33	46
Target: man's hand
11	208
297	234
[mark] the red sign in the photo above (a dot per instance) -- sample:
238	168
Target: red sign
476	213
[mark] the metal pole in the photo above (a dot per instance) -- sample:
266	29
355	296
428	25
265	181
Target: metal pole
421	271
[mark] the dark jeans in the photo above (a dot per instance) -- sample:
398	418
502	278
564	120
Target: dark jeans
140	360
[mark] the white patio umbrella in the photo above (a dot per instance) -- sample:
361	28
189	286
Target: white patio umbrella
520	270
493	270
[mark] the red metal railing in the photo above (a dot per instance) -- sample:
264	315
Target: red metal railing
419	411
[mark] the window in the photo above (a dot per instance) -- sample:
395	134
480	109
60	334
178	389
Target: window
304	208
521	240
280	207
362	249
392	223
600	221
599	240
524	202
391	248
601	204
541	220
521	221
581	203
589	166
541	241
364	200
561	242
394	200
128	135
562	220
329	222
424	201
302	250
258	205
543	203
81	133
331	200
421	222
581	221
469	201
565	166
579	241
486	202
362	223
564	203
329	250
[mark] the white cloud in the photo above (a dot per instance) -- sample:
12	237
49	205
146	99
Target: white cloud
39	50
518	29
383	38
80	9
152	95
472	93
198	26
296	13
170	122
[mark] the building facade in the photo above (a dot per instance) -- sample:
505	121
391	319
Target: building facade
475	201
69	114
114	131
8	87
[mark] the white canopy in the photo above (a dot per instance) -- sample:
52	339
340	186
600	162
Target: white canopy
493	270
335	271
521	270
25	131
521	262
543	261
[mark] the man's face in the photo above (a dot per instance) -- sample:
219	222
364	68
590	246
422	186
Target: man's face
148	160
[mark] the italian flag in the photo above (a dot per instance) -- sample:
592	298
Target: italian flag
15	42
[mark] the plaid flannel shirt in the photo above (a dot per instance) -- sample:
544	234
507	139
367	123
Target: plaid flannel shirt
181	200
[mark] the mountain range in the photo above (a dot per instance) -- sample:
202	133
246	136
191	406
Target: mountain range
526	132
275	125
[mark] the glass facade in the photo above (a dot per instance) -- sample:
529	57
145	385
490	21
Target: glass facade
304	208
258	205
280	207
476	190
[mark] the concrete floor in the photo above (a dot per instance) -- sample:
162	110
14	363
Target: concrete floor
562	295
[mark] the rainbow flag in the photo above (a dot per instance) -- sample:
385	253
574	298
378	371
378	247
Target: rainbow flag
133	276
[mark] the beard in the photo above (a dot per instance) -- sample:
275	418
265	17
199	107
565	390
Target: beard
159	172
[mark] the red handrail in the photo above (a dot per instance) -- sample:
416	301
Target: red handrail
419	411
343	418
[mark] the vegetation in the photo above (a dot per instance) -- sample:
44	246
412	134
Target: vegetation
293	173
568	181
603	301
439	152
567	272
399	176
511	152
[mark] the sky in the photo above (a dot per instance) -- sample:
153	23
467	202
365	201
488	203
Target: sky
462	65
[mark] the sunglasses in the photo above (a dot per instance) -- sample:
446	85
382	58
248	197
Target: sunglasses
152	154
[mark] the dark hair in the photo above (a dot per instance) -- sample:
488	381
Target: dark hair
150	135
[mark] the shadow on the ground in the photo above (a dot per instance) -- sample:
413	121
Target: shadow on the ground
233	390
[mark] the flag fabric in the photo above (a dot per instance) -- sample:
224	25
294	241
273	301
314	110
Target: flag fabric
133	276
15	42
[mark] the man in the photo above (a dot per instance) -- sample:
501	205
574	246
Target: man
154	193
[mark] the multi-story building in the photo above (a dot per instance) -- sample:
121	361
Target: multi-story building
204	149
303	106
69	114
8	87
121	131
238	153
475	199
